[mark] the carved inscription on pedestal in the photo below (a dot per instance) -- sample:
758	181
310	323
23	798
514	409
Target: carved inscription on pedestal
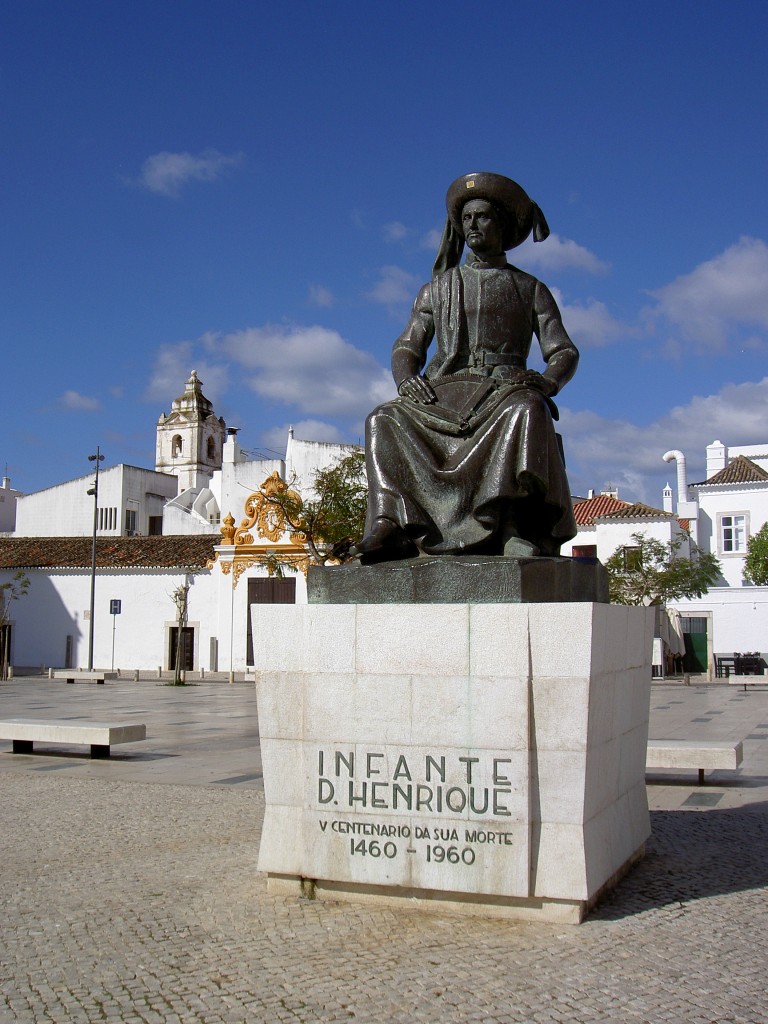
452	819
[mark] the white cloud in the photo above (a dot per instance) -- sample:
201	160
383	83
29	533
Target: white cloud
432	240
395	287
628	455
75	402
166	173
173	365
556	253
305	430
394	232
590	324
320	296
313	368
708	305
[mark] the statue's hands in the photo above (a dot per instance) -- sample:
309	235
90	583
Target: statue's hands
418	389
534	379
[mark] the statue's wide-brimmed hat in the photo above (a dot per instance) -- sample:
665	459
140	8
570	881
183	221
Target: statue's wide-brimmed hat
523	215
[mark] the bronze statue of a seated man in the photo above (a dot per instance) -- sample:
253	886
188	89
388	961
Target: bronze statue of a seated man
466	460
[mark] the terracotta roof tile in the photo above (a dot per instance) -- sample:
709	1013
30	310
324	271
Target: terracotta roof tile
587	511
740	470
637	511
111	552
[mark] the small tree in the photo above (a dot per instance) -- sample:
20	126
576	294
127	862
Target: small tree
15	588
652	572
756	563
180	597
330	522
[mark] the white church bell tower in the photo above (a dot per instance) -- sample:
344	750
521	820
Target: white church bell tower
190	438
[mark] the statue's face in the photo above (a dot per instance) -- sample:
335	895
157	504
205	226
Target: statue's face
481	227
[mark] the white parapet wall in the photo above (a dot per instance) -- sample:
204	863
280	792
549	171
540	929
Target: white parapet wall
489	757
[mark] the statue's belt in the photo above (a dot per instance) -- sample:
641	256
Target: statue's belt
484	358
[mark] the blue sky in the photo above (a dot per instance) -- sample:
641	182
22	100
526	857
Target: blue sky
253	190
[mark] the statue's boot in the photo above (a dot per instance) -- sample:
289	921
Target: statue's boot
517	547
385	542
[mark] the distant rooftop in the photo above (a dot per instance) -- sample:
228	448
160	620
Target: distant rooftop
740	470
636	511
175	552
588	510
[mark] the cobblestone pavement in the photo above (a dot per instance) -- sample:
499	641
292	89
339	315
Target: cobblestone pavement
125	900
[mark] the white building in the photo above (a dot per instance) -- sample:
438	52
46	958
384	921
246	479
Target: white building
50	624
218	529
720	514
131	502
216	533
190	438
8	499
732	505
605	523
202	508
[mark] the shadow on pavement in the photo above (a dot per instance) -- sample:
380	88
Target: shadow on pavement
693	856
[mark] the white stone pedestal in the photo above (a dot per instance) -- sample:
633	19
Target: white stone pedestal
483	758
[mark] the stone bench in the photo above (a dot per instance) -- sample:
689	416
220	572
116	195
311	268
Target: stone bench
24	732
746	681
77	675
701	755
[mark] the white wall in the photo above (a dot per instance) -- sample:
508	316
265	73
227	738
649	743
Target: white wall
304	458
240	477
66	510
193	511
747	499
719	455
739	617
608	536
58	602
238	480
8	498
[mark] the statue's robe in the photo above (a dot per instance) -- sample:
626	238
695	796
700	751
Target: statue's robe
483	464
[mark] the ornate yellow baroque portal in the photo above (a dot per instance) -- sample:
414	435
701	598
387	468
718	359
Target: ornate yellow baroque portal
266	518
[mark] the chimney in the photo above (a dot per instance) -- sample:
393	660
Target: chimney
682	477
717	458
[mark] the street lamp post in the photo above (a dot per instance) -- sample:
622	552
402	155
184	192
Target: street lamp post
97	458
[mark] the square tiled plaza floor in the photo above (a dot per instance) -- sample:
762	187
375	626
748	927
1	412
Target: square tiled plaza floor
198	734
711	712
130	892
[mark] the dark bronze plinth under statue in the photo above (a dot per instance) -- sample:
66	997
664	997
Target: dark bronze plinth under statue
466	461
460	579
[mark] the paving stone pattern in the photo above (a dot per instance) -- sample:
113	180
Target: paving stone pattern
134	898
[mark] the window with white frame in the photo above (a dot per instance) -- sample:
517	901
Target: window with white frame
734	529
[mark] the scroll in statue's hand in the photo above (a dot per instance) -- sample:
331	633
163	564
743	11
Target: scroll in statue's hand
418	389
